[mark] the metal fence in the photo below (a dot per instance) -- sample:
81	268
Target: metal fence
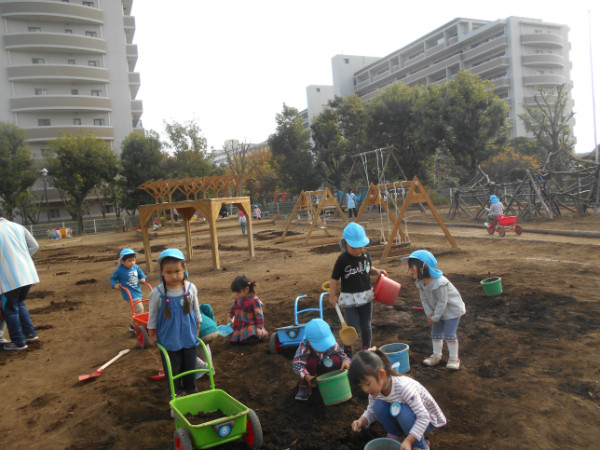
99	225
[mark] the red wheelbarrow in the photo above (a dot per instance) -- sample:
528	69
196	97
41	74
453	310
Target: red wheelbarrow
502	224
140	321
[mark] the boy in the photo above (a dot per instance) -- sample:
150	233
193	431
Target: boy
129	275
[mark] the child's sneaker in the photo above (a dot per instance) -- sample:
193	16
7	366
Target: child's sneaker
303	393
32	338
433	360
3	340
487	224
132	328
453	364
11	346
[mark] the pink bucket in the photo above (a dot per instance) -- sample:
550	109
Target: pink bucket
386	290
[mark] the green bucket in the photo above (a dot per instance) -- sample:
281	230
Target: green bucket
492	286
334	387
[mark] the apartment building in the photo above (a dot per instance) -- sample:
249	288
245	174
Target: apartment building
518	55
68	66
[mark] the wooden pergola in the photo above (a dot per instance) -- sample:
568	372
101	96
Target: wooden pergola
209	208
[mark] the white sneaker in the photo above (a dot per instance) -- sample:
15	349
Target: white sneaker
487	224
433	360
453	364
3	340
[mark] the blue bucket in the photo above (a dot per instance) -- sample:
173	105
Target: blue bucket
398	355
383	444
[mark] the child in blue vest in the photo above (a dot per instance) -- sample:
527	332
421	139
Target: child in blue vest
174	318
129	275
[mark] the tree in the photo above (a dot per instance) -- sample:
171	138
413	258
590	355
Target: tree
141	161
290	145
510	165
548	120
77	164
189	146
339	132
465	118
16	169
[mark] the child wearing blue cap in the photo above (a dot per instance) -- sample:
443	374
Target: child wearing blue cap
442	304
352	274
496	208
129	275
318	353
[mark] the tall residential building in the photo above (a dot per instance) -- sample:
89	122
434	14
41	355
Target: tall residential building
517	55
67	66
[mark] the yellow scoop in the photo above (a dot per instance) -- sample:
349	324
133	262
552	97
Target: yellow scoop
348	334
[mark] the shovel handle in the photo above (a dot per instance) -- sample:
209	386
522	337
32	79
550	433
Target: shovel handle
105	365
339	313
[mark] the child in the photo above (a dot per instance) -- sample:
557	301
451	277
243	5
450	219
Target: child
155	225
442	304
242	221
246	313
398	402
174	318
3	340
257	212
354	268
494	210
129	275
208	330
318	353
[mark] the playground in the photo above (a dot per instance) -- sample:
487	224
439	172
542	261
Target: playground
530	374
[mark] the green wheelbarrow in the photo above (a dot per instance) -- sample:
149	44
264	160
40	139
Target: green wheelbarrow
234	420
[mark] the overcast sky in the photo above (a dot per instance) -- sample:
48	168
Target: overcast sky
232	64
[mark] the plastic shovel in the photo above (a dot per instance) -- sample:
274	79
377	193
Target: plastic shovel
99	370
348	335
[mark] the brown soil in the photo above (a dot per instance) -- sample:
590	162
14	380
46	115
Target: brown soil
530	368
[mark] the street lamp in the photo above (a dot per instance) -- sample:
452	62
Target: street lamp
44	173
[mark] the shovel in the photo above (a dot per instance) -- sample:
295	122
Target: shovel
348	335
101	368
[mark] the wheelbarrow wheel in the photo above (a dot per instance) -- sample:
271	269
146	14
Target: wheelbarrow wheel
182	440
142	336
518	229
254	435
274	344
501	232
491	228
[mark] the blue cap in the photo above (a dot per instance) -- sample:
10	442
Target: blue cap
318	334
126	252
428	258
494	199
355	235
170	253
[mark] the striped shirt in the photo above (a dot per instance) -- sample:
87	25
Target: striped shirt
16	247
406	390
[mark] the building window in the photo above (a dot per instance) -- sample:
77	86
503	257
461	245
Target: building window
45	151
90	4
44	122
96	93
539	72
74	91
93	63
347	60
54	213
91	34
37	61
76	121
108	209
99	122
35	30
41	91
67	31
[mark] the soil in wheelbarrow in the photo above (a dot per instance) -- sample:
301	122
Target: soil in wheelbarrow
530	371
203	417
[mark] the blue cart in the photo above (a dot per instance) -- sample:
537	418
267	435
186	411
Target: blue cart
293	334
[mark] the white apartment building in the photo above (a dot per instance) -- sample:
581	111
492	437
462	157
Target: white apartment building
517	55
67	66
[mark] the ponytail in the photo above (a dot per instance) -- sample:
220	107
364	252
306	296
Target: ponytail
368	363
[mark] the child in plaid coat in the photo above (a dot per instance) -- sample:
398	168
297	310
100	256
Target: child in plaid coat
246	314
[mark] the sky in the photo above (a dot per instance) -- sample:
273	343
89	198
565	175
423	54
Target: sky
231	65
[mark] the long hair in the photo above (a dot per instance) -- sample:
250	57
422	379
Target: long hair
422	268
368	363
187	304
241	282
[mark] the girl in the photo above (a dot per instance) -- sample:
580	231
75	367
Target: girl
242	221
246	313
174	318
442	304
354	268
398	402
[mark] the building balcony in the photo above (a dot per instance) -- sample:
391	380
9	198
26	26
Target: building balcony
544	60
543	40
500	83
132	56
54	42
489	48
543	80
134	83
43	134
137	109
58	72
129	25
50	11
494	64
58	103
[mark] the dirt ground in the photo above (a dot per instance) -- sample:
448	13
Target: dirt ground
530	368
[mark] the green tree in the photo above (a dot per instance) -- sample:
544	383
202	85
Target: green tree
141	161
548	120
465	118
77	164
189	157
339	132
290	145
17	174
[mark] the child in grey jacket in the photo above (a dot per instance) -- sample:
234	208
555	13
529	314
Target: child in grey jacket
442	304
